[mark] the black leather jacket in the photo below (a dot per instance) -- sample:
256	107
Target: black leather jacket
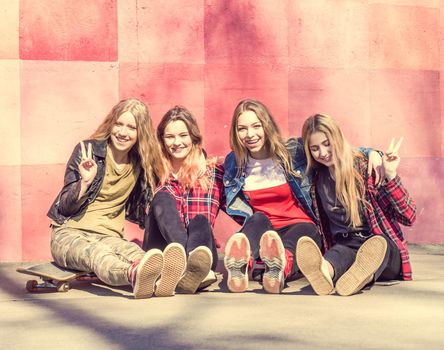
67	204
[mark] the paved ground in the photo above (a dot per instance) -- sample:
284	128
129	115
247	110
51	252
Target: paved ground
406	315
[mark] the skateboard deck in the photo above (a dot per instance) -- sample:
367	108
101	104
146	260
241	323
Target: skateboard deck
54	277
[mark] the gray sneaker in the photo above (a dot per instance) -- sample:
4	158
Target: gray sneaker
147	272
272	253
174	261
237	257
313	266
198	266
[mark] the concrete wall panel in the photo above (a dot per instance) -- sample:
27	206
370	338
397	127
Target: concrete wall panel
68	30
404	37
10	213
61	104
9	27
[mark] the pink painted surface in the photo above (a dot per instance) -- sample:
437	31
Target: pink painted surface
375	65
61	104
441	31
40	185
404	37
406	103
428	196
68	30
166	32
341	93
224	228
162	86
226	85
10	112
10	214
327	33
243	32
9	27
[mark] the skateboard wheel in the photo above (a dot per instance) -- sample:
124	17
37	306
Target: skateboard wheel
31	286
62	287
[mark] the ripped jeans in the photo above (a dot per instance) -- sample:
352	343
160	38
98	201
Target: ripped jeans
107	256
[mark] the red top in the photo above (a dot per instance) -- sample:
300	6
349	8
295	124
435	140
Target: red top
278	204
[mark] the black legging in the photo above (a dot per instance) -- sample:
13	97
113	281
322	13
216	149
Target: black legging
343	254
164	226
257	224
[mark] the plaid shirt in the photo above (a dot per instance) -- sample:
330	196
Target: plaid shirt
196	200
389	205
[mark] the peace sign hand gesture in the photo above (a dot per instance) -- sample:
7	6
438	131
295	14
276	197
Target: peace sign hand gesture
391	159
87	166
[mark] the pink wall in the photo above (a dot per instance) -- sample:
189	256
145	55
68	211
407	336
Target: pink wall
374	65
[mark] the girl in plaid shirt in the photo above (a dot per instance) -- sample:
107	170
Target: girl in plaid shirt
361	218
188	200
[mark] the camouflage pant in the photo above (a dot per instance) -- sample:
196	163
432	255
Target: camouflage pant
108	257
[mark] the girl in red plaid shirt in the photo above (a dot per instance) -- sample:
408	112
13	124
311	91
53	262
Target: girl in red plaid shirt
185	205
359	217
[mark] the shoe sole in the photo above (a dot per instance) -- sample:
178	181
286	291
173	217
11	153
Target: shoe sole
368	259
272	253
174	262
150	268
237	256
198	267
309	259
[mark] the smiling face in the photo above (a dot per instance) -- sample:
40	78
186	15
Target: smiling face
321	149
251	134
177	140
123	134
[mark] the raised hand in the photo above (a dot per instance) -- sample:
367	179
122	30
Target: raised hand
391	159
375	164
87	166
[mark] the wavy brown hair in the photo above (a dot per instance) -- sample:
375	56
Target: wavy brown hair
195	163
146	150
349	184
274	142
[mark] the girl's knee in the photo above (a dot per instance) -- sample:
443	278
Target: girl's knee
160	198
199	219
259	217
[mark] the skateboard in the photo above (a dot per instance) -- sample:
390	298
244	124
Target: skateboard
54	277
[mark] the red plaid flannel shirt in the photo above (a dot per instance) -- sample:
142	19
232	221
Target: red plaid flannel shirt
196	200
389	205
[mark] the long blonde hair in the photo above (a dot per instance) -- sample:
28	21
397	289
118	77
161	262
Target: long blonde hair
349	184
274	142
146	151
195	163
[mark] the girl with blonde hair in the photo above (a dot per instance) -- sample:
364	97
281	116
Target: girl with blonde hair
363	219
188	199
108	178
265	193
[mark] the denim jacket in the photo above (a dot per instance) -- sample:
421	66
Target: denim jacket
67	204
237	204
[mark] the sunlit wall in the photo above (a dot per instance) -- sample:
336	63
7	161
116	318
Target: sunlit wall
374	65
